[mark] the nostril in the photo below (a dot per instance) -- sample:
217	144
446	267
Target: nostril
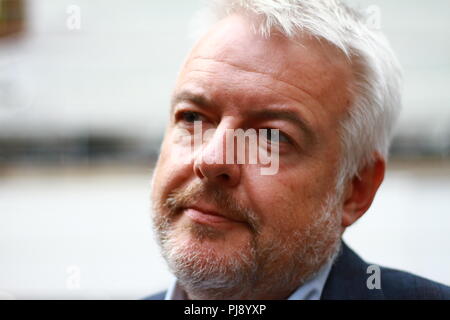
199	172
218	173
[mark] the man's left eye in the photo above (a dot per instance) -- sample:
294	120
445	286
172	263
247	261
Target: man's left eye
276	136
191	117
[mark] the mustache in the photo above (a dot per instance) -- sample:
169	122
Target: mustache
227	205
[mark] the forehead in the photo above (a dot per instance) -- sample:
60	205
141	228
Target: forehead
232	58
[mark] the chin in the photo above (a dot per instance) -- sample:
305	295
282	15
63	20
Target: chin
208	262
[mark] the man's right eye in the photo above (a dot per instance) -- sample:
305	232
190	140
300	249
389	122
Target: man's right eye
190	116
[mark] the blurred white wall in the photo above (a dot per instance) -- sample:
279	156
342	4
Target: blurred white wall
114	74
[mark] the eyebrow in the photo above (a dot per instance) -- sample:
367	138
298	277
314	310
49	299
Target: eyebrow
187	96
268	114
287	115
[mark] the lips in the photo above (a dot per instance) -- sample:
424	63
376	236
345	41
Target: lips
207	216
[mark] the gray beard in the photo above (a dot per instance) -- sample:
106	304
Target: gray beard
258	267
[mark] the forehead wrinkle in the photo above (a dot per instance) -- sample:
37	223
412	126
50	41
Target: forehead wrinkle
297	100
240	68
262	85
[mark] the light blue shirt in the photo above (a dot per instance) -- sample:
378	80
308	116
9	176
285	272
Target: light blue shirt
310	290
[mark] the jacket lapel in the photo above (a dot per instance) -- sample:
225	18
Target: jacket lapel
348	279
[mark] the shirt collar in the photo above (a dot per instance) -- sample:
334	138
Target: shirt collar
175	292
310	290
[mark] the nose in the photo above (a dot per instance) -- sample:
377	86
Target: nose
211	165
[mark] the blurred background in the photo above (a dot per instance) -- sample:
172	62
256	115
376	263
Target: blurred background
84	95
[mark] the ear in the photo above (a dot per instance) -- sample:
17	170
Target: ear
361	190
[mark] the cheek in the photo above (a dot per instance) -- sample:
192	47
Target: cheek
173	167
289	200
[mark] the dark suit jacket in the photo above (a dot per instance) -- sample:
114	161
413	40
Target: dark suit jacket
348	281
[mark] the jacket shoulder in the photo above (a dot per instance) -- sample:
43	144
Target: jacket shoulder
401	285
349	275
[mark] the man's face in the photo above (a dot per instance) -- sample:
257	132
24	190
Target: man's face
264	228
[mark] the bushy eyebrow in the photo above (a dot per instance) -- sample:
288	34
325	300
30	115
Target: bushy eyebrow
291	116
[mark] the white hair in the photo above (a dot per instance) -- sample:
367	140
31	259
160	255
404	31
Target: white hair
369	123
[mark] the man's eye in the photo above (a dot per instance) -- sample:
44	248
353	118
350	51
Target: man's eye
190	116
276	136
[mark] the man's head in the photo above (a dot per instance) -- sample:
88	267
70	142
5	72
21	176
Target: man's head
311	69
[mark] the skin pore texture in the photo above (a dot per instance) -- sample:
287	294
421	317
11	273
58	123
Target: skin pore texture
268	234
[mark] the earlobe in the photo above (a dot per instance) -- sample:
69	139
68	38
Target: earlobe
361	191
